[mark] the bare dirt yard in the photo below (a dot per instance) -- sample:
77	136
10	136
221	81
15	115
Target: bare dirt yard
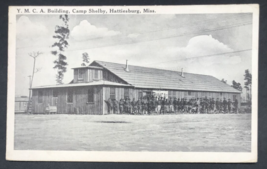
181	132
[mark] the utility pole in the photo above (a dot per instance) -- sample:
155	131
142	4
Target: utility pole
34	55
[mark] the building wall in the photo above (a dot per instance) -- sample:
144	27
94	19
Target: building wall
79	105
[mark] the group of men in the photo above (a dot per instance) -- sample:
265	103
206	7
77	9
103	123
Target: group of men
162	105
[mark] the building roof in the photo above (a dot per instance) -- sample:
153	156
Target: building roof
94	83
152	78
87	67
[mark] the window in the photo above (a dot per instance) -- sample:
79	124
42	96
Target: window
55	93
70	96
80	73
40	96
95	74
189	93
90	98
126	92
112	93
221	94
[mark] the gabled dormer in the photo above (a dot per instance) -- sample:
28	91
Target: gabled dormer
87	74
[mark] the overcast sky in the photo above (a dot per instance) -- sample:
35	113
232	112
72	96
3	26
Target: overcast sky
199	43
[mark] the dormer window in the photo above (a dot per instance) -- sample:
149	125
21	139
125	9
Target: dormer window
96	74
80	74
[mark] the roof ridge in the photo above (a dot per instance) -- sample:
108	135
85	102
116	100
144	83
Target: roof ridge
154	68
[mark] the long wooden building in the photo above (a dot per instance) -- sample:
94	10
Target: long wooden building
99	81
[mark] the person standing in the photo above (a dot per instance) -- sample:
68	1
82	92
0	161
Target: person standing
171	105
121	103
116	106
139	105
229	104
162	108
175	104
198	105
236	105
217	103
133	105
224	105
110	106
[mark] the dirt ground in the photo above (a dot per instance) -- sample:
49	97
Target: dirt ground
182	132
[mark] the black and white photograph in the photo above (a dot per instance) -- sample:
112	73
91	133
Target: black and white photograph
133	83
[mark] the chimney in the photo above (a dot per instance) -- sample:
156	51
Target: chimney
127	67
182	72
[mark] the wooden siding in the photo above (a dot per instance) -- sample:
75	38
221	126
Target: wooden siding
79	105
108	76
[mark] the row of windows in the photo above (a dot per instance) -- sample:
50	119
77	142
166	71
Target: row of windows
90	95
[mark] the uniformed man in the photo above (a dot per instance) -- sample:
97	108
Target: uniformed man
229	105
221	105
121	104
133	105
198	105
236	105
139	105
116	106
110	106
144	105
217	104
171	105
162	107
224	105
212	105
175	106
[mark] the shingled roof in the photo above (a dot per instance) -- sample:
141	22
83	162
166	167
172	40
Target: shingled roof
152	78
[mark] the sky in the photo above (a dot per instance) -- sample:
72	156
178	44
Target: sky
212	44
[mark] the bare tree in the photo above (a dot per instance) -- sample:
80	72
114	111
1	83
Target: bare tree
34	55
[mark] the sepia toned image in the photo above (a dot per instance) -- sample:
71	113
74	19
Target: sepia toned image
155	84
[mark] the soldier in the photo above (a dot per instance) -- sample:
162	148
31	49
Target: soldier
133	104
212	105
110	106
185	105
121	103
198	105
171	105
236	105
175	104
139	106
229	104
116	106
162	107
221	105
126	105
217	104
224	105
144	106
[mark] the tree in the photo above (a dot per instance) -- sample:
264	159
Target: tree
248	80
237	85
224	81
34	55
61	34
85	59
